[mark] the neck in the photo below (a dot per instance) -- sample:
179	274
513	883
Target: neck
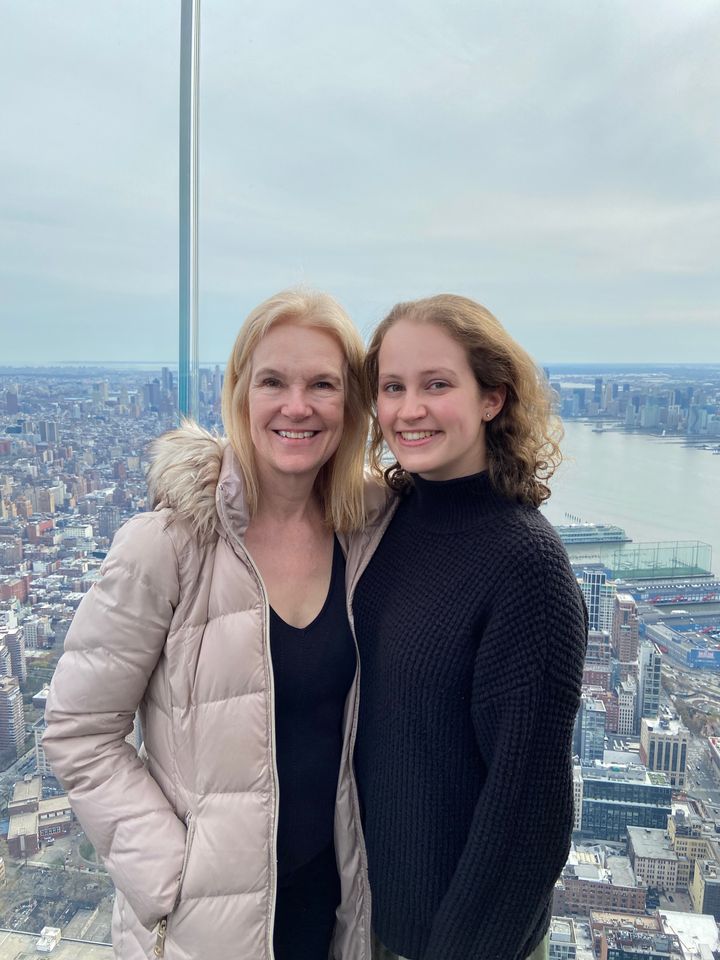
287	499
457	504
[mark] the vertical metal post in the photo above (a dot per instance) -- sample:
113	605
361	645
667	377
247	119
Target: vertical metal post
188	399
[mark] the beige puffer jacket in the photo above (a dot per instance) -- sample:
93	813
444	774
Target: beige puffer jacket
178	624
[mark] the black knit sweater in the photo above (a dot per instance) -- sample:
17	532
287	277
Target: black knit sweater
472	634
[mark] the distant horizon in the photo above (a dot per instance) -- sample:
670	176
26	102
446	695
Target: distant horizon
586	365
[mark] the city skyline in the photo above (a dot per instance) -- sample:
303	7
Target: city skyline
561	169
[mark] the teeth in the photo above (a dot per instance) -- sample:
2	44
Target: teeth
297	434
417	434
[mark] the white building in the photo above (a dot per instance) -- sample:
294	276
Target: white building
562	944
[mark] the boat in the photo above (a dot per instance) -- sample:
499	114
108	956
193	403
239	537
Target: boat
579	532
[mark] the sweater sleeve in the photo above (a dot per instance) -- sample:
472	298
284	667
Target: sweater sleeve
526	692
111	650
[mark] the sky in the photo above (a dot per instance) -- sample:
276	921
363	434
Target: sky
559	162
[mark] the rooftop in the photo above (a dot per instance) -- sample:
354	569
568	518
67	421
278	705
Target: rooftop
27	790
52	804
710	870
651	844
665	727
697	933
14	945
610	918
22	825
562	930
620	871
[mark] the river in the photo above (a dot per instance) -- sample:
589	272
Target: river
656	488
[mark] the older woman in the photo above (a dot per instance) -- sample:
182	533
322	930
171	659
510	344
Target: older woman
472	633
222	616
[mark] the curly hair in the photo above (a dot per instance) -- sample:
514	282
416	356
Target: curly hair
523	439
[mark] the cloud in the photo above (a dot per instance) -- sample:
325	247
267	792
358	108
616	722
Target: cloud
557	160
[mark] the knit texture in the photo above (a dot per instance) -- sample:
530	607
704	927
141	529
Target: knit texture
472	634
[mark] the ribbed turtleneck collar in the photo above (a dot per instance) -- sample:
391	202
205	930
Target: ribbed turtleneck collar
447	505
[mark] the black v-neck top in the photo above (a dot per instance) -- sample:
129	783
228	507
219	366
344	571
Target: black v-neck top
313	668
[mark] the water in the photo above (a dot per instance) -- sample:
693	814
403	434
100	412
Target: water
656	488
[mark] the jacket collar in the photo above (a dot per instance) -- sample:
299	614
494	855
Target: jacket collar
230	501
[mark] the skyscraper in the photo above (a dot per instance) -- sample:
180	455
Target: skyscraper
108	521
625	623
12	716
48	431
591	719
15	643
650	674
599	596
664	746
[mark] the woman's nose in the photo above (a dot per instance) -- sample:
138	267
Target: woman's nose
412	407
296	404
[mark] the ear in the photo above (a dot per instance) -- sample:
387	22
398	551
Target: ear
493	401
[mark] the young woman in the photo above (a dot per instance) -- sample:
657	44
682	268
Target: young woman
222	615
472	635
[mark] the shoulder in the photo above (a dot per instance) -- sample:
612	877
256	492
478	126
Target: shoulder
378	497
536	587
146	550
527	541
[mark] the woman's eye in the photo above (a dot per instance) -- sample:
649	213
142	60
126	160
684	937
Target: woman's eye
392	388
271	382
324	385
438	385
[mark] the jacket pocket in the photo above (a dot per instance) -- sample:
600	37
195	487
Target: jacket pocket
161	930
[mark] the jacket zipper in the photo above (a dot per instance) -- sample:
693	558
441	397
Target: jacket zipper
268	658
159	950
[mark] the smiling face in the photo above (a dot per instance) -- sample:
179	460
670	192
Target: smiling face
430	407
296	400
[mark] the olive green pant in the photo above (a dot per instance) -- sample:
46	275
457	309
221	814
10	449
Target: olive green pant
380	952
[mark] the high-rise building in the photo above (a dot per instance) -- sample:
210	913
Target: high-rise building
109	521
615	796
664	747
649	680
12	717
48	431
599	597
653	859
627	695
705	888
12	403
691	839
625	624
597	670
15	642
5	662
591	718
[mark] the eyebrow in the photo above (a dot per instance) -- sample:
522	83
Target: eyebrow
280	375
436	371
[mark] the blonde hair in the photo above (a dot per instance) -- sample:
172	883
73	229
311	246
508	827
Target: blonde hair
339	484
523	439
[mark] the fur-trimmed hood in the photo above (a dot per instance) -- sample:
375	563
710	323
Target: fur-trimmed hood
184	473
191	469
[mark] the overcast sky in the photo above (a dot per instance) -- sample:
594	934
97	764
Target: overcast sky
558	161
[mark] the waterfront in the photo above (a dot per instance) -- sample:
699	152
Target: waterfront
656	488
